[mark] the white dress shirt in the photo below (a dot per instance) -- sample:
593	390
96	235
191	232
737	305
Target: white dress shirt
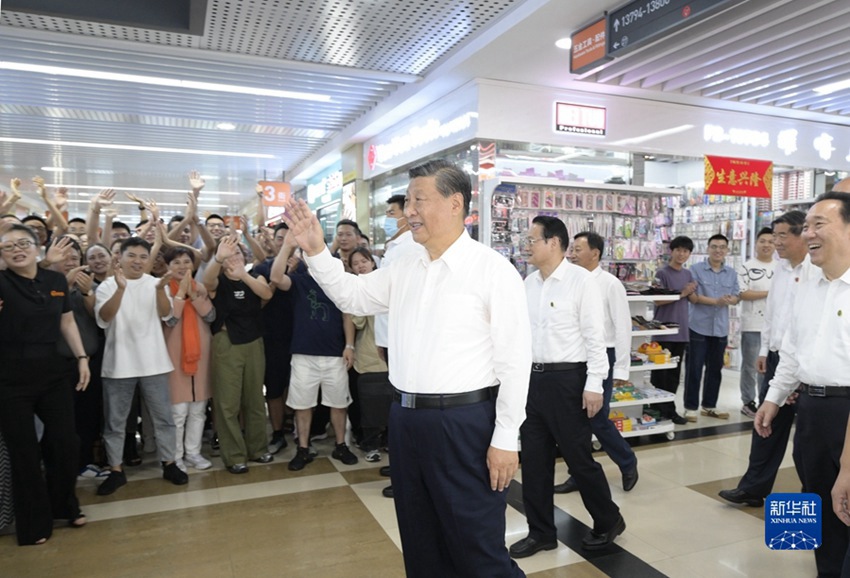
567	321
814	349
618	320
393	250
783	291
455	324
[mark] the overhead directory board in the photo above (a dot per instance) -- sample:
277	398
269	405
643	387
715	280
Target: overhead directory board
641	21
587	50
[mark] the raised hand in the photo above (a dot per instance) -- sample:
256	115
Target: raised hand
135	199
74	274
259	190
304	227
60	199
84	282
164	280
191	208
103	199
58	250
227	248
120	279
185	287
196	182
39	183
153	208
15	184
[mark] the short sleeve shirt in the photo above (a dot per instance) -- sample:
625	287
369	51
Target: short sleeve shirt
32	310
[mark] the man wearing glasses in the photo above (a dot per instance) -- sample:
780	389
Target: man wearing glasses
717	288
569	364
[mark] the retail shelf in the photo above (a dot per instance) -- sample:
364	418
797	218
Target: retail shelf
606	187
650	332
652	366
658	428
648	298
657	396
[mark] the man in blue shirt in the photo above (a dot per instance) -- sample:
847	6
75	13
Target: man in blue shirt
717	288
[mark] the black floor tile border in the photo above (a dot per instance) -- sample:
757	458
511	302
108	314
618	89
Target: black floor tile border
613	561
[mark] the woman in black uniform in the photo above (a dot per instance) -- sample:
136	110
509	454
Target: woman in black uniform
35	380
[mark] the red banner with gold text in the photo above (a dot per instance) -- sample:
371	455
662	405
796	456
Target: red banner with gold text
738	177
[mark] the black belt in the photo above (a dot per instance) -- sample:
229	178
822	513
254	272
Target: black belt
826	390
565	366
443	400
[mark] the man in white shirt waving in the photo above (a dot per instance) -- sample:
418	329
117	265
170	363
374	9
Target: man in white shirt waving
565	392
460	349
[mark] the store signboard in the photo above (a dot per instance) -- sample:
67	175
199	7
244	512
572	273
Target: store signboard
275	194
738	177
587	49
641	21
580	119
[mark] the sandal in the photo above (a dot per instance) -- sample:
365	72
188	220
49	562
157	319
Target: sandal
78	521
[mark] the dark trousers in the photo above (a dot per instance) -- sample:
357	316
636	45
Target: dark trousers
375	395
554	417
43	388
668	379
821	424
766	453
451	523
88	412
611	440
705	352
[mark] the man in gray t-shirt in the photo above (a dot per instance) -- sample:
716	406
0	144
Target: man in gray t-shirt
676	278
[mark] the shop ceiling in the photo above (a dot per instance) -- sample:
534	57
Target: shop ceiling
314	76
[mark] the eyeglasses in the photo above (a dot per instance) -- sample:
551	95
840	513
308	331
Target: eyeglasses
530	240
20	244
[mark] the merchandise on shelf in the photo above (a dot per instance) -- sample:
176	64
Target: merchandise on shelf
634	224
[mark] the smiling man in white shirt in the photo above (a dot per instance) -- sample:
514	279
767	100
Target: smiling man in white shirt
460	346
815	356
565	392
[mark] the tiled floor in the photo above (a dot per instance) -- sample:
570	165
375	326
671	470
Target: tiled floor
330	520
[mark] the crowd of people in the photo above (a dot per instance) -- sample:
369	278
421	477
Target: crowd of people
164	333
195	324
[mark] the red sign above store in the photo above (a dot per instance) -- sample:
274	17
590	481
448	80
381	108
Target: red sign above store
587	49
738	177
580	119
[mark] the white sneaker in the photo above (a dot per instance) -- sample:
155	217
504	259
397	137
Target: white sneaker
691	415
197	461
92	471
180	465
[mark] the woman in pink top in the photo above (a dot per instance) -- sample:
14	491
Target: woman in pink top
188	337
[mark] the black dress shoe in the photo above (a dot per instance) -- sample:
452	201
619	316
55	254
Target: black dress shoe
630	479
238	469
384	471
387	492
738	496
567	487
529	546
601	540
677	419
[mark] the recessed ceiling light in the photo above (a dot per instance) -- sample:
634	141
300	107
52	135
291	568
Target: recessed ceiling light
564	43
57	170
832	87
225	126
138	190
160	81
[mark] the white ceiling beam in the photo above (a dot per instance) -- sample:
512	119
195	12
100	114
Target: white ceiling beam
726	43
789	41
